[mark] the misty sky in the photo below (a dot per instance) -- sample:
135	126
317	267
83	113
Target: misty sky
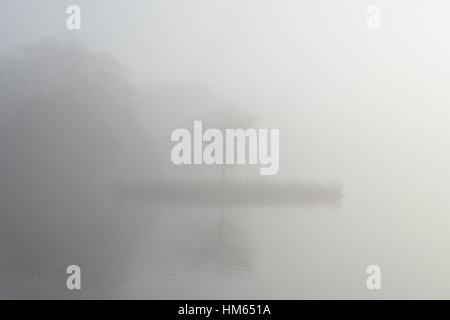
310	67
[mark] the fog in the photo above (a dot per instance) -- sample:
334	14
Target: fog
87	179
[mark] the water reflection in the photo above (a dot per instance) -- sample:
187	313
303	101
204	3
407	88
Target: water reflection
205	244
174	251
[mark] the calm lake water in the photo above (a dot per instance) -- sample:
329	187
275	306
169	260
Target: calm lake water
253	253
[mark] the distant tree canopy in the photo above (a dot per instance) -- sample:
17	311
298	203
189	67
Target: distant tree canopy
230	118
60	102
65	125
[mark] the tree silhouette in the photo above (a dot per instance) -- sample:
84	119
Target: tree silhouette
229	118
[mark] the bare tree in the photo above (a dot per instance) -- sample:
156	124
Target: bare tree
229	118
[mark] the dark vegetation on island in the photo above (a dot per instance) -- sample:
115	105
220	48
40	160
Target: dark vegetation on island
231	193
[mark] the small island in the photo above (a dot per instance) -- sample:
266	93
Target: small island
231	193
